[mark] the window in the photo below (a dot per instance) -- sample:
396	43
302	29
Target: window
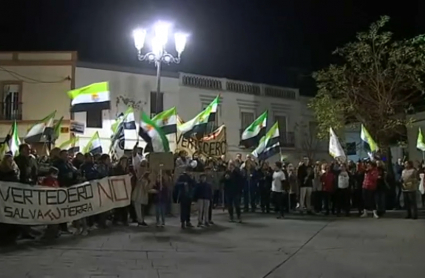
312	128
94	118
153	103
282	123
11	108
246	119
351	148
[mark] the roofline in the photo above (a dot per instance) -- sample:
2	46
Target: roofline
152	72
169	74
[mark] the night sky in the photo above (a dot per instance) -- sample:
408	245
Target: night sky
270	41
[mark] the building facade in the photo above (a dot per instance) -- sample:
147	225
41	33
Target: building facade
32	85
241	102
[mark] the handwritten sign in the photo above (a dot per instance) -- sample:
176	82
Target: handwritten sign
36	205
213	145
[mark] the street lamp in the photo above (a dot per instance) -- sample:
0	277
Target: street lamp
158	54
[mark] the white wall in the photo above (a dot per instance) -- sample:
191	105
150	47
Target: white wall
189	101
45	79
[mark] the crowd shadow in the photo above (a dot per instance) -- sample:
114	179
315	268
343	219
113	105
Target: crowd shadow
173	232
151	232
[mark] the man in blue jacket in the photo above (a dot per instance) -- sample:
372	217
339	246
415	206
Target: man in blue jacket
183	194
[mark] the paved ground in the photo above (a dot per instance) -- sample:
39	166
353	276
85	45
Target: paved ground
261	247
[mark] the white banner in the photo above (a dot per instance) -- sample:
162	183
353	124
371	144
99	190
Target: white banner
37	205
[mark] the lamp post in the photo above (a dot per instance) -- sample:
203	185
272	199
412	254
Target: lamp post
158	53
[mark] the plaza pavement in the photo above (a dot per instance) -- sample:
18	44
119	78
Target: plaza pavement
262	246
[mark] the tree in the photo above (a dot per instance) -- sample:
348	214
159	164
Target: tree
376	84
138	105
309	142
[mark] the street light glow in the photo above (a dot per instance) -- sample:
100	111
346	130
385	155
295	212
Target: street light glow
180	39
156	39
157	46
139	36
161	32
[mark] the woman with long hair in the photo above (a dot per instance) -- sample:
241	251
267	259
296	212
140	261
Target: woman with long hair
140	194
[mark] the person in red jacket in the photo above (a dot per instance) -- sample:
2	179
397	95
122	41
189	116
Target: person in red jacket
370	184
328	186
51	180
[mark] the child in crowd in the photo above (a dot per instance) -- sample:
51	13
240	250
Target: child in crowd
160	200
51	180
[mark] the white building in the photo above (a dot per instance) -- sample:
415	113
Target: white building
241	103
33	85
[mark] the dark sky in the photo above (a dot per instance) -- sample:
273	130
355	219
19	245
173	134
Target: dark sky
268	41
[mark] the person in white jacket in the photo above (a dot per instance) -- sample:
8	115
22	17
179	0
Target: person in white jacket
343	191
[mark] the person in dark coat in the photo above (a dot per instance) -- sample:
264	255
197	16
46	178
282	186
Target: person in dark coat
183	194
88	168
120	169
233	183
24	165
68	174
264	177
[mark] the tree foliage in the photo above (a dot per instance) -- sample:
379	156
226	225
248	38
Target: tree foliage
310	144
377	82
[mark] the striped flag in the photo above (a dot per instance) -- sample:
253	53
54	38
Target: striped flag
365	136
253	133
420	144
43	128
94	146
152	134
167	121
269	144
72	145
198	125
95	96
14	141
124	124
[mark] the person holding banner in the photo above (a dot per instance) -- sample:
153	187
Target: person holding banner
120	169
8	172
140	194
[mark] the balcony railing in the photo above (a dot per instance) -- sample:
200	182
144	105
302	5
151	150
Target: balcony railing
10	111
287	139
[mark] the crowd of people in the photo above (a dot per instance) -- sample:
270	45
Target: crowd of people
320	188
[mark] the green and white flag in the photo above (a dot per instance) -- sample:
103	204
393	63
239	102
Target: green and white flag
365	136
198	125
420	144
253	133
167	120
152	134
269	144
43	128
95	96
14	141
94	146
123	129
72	145
57	129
